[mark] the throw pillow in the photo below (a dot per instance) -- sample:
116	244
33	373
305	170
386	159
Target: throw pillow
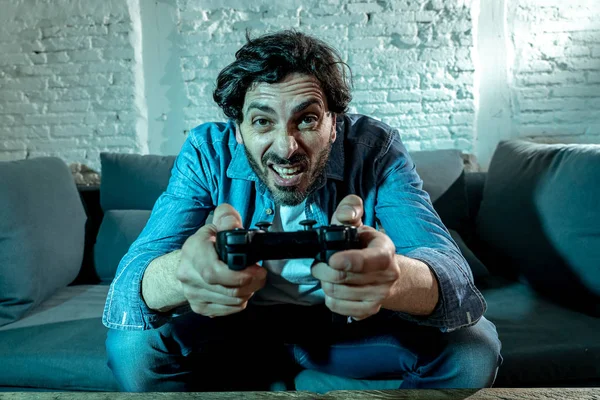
133	181
42	233
539	217
118	231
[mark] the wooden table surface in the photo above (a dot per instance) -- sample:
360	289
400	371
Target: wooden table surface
450	394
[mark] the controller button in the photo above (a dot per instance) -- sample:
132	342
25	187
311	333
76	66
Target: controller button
308	224
269	211
264	225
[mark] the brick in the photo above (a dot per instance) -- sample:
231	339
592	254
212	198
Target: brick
81	80
369	96
69	131
433	132
25	84
577	91
68	155
18	108
537	66
58	57
85	55
364	8
402	95
334	20
85	30
462	131
72	106
12	145
584	64
14	59
442	54
119	53
577	51
590	36
595	50
13	155
390	108
7	120
104	42
462	118
54	119
559	104
552	129
553	117
61	44
466	145
420	120
25	132
107	66
442	143
10	96
407	81
438	95
549	79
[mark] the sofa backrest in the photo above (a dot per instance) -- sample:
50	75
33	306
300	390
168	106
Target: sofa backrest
132	183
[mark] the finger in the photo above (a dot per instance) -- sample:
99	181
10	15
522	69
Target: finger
226	217
257	283
207	296
349	211
325	273
374	293
216	310
377	254
356	309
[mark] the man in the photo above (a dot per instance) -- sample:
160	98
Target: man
180	319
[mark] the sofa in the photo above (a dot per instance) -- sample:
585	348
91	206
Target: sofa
529	228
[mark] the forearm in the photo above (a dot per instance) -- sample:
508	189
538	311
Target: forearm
416	292
161	290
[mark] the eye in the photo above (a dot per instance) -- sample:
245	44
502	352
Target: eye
260	122
308	121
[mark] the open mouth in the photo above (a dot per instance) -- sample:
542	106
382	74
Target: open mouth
287	175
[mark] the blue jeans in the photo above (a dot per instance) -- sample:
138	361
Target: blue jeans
292	347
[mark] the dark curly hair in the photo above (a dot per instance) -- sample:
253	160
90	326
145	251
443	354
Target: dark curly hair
270	58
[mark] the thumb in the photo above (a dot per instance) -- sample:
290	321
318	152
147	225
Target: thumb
226	217
349	211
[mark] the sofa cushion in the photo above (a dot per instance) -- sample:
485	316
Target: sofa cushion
539	218
442	172
42	233
118	230
133	181
478	269
542	342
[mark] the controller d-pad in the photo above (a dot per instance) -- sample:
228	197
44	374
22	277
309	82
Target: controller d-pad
335	236
236	239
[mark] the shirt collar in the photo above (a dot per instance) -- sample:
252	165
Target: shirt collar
239	168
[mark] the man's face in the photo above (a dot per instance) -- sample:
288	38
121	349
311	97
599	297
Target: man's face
287	134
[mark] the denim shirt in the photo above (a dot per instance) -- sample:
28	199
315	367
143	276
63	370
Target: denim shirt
367	159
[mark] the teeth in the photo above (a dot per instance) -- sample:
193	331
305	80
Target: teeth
286	172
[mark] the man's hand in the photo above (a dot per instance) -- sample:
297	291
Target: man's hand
211	288
357	282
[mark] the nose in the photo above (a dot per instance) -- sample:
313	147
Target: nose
285	143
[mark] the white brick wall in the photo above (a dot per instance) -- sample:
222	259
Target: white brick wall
556	86
78	77
411	60
66	80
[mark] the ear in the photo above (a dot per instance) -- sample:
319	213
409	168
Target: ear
333	126
238	134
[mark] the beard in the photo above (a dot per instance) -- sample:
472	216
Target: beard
291	195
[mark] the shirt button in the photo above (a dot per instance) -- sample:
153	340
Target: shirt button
269	211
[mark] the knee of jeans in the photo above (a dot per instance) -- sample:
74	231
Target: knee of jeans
477	355
129	355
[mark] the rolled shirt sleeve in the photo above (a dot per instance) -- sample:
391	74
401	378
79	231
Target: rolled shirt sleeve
177	214
405	212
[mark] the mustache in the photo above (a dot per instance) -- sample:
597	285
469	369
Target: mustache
275	159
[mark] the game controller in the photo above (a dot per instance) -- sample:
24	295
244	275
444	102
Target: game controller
240	248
